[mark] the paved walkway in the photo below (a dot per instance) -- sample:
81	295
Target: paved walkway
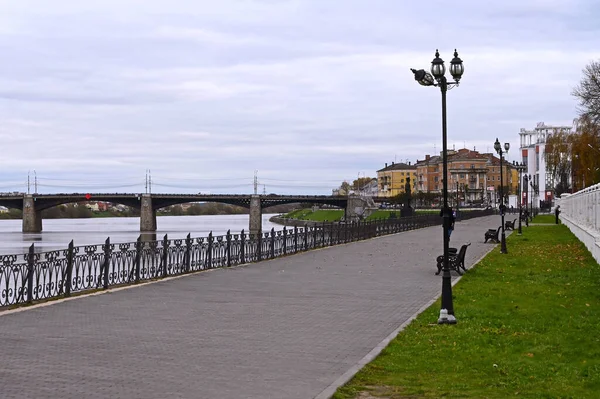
286	328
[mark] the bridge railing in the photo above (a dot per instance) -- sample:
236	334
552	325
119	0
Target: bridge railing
36	276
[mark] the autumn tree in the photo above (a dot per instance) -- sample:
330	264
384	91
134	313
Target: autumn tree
573	159
558	159
588	93
361	182
586	154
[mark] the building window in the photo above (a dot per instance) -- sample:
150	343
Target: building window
462	176
435	180
472	166
537	161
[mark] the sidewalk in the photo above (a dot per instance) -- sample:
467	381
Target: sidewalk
286	328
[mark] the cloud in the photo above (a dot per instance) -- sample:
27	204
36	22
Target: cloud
303	91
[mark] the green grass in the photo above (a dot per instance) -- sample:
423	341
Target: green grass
544	219
528	326
321	215
334	215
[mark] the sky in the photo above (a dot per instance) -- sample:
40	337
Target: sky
303	93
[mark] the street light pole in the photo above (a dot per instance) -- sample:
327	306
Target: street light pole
498	148
531	199
426	79
520	167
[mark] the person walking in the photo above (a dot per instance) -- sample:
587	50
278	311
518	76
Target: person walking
556	213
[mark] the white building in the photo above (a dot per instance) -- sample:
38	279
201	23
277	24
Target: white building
533	145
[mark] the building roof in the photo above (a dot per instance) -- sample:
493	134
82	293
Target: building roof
398	166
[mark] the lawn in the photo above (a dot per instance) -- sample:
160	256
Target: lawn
544	219
528	326
320	215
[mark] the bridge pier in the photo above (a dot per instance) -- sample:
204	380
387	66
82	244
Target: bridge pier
32	218
255	215
147	214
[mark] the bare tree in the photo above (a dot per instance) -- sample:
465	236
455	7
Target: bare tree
588	93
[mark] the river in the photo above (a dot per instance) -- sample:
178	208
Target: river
58	233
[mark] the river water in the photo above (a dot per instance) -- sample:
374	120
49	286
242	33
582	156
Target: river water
57	233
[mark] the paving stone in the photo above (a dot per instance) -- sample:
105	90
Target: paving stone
285	328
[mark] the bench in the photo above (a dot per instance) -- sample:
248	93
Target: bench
456	260
492	235
508	225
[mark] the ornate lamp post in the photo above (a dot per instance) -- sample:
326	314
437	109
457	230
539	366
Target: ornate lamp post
520	167
498	148
531	199
426	79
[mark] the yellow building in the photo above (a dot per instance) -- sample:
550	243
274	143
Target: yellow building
392	179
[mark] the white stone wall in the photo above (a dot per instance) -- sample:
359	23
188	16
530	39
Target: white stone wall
581	213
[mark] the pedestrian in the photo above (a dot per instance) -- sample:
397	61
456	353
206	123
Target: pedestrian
556	212
452	220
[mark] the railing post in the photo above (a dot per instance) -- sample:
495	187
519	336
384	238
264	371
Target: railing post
323	235
165	255
284	240
106	265
188	252
242	247
138	257
295	239
258	237
305	237
209	253
314	236
228	248
30	267
69	276
272	242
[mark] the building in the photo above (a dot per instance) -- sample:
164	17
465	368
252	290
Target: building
473	177
532	146
392	179
428	174
370	189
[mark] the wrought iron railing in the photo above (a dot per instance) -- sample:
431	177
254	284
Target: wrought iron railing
36	276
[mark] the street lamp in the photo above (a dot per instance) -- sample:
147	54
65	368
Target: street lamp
426	79
520	167
531	199
498	148
526	177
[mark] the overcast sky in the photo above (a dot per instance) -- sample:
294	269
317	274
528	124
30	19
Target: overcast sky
308	92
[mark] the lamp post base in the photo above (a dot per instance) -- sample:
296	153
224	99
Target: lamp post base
503	244
446	318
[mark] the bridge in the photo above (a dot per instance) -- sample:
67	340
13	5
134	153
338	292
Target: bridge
33	204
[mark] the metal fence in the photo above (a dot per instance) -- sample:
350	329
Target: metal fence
35	276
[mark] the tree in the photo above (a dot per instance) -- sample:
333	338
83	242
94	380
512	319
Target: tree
558	154
177	210
344	188
585	148
361	182
588	93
